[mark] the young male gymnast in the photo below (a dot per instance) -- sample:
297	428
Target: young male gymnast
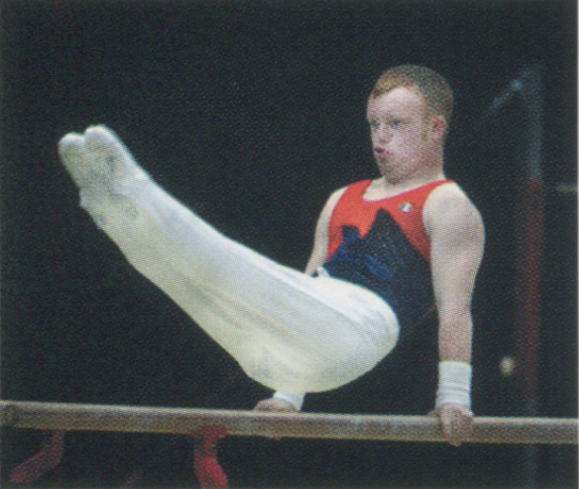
386	252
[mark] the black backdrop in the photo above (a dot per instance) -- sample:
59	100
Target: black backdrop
252	113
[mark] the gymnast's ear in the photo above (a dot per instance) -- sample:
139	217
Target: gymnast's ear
437	127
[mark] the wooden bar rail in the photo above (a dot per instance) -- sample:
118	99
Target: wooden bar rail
136	419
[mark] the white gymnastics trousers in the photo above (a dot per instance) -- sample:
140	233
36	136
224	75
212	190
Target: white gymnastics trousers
288	331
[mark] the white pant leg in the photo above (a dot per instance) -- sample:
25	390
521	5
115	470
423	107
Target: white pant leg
288	331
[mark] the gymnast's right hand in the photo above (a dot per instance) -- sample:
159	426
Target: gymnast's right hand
274	405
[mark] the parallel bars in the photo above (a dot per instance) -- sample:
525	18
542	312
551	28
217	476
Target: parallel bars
135	419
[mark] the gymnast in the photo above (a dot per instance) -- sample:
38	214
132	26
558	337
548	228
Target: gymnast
386	253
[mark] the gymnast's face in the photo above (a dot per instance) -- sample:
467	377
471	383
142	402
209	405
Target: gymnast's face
404	141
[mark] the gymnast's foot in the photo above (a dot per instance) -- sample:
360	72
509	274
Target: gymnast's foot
98	159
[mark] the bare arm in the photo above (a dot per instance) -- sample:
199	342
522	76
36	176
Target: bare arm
456	233
321	240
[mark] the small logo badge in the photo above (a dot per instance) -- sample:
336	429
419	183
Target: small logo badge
406	207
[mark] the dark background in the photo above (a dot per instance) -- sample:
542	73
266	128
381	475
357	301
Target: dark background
252	113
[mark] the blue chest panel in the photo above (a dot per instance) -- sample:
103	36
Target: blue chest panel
385	262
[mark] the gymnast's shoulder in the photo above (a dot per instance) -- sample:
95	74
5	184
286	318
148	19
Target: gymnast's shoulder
448	205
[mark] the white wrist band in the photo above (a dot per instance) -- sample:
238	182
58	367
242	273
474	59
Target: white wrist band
295	400
453	384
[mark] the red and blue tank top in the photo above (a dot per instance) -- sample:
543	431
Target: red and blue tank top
382	245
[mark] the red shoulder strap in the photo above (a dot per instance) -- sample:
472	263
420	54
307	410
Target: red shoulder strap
347	209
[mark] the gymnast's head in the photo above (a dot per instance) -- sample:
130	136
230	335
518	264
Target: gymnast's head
431	87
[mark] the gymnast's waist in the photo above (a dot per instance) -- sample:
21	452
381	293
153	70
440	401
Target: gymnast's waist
412	300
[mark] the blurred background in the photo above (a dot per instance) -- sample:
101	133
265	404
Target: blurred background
252	113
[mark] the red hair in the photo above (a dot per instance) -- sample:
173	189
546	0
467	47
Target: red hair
432	87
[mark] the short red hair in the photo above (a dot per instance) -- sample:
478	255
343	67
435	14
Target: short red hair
432	87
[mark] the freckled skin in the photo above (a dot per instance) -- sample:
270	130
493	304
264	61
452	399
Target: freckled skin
404	149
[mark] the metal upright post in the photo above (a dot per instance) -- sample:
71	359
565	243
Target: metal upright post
529	229
529	236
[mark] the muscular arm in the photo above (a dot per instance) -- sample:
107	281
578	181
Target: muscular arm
456	233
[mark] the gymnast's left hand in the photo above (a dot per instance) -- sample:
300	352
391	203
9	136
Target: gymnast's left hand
275	406
456	421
